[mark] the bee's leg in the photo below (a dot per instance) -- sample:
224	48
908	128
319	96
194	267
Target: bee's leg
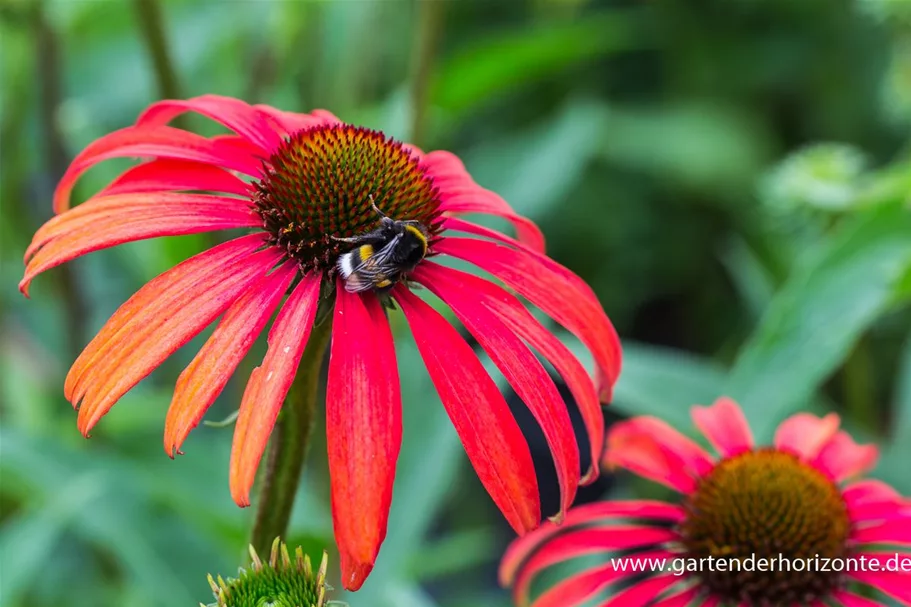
415	286
386	219
376	209
352	239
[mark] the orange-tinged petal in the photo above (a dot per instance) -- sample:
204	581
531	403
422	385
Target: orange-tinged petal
123	207
162	316
112	220
206	375
159	142
269	383
363	429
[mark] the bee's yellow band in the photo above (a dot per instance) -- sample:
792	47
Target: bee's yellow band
418	234
365	252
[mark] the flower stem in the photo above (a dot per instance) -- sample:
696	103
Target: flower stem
47	50
151	24
859	388
290	440
429	26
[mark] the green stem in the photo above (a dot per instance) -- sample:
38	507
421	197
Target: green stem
289	443
859	389
430	18
151	24
47	50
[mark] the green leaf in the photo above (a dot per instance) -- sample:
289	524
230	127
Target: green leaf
814	321
454	553
894	463
903	398
696	144
665	383
537	168
823	176
28	541
505	61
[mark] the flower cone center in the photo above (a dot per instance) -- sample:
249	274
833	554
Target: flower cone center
323	182
764	504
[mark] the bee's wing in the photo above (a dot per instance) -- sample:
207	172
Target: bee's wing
367	273
357	283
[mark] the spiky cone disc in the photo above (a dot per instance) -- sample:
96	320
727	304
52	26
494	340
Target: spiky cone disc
279	582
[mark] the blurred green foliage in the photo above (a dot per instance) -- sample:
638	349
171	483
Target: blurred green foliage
734	181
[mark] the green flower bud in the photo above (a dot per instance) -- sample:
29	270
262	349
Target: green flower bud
280	582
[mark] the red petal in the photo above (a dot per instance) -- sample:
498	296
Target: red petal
872	500
162	316
290	122
511	311
725	426
88	213
492	439
363	429
577	589
842	458
445	167
869	491
643	593
581	587
805	434
269	383
896	584
167	174
596	514
519	366
681	599
235	114
160	142
462	225
205	377
558	292
651	448
460	194
849	599
111	220
478	200
584	542
895	531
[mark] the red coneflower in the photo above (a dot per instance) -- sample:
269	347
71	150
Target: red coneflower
790	502
308	186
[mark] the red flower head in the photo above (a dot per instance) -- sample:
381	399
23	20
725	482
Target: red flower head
321	199
794	499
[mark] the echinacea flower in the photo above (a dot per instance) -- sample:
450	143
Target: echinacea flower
301	184
796	503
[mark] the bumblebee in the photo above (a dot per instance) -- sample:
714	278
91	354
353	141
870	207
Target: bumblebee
382	256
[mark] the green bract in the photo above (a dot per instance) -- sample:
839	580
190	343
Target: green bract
280	582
